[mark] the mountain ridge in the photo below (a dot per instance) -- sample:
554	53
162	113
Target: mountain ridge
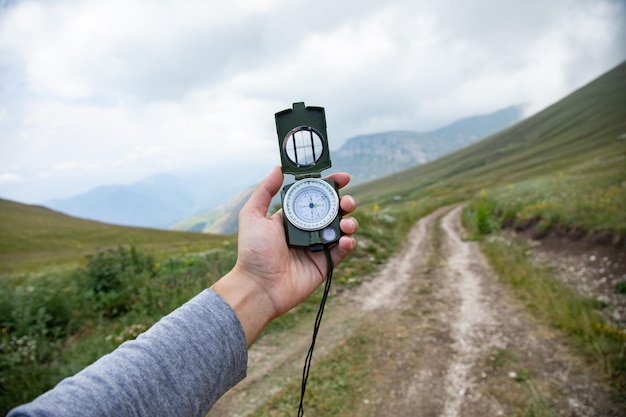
166	201
372	156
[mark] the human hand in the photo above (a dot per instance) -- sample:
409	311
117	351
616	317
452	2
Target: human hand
270	278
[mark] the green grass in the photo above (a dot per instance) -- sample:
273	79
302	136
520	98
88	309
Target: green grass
588	197
33	237
526	397
336	386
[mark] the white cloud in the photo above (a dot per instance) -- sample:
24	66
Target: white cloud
102	92
10	178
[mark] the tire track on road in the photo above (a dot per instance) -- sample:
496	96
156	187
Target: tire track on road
471	328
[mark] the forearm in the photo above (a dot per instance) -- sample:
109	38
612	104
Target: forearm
179	367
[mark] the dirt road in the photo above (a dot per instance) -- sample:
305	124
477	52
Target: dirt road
452	341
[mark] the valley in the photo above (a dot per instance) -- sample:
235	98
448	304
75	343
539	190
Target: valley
518	312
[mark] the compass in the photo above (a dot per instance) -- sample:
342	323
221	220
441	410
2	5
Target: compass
310	204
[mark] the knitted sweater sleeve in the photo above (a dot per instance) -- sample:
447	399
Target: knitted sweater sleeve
179	367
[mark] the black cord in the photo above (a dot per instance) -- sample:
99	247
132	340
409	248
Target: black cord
316	327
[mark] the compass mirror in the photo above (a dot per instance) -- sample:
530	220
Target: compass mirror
303	146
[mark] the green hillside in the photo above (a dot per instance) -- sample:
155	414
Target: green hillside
565	165
220	220
33	236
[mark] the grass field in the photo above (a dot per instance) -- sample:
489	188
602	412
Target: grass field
32	237
562	168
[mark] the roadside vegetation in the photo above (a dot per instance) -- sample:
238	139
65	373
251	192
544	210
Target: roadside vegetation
54	323
589	199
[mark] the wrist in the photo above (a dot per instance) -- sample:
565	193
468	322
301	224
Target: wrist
250	303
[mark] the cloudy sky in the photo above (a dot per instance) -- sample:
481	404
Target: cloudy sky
109	92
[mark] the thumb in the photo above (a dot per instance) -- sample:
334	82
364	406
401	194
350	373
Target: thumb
260	200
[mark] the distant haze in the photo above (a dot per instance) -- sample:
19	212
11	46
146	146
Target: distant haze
373	156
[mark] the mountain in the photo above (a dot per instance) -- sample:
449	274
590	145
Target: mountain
368	157
157	201
162	200
222	218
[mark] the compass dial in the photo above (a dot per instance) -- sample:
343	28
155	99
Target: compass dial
311	204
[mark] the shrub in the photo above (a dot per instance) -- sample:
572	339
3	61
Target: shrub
34	317
41	306
114	277
480	218
483	211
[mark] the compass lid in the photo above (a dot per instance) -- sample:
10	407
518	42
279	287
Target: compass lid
303	140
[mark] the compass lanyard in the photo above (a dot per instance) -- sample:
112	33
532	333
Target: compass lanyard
316	327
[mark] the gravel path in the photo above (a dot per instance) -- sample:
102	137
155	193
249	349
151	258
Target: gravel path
453	341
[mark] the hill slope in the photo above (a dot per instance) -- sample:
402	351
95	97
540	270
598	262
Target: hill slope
157	201
582	139
222	219
33	236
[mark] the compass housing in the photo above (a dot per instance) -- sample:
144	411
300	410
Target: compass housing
311	213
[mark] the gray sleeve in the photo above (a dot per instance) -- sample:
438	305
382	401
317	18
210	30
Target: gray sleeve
179	367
